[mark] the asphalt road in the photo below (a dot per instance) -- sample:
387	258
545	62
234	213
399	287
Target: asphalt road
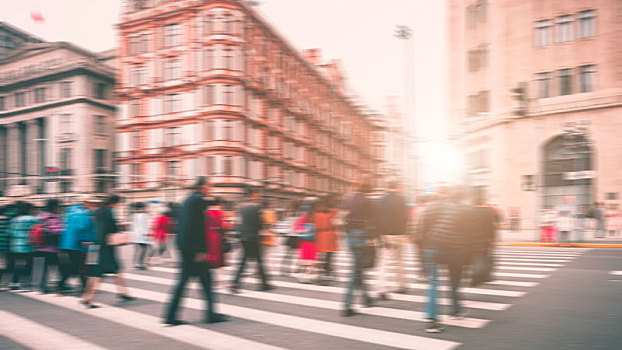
543	298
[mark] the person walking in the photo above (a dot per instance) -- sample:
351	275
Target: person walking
326	239
392	219
142	241
444	238
193	247
482	237
78	234
7	213
163	225
250	224
52	228
359	225
21	249
291	242
305	226
215	227
565	225
107	262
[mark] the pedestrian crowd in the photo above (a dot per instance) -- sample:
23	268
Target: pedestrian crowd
453	228
567	224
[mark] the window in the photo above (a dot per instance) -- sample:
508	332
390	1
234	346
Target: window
228	23
228	130
209	94
208	59
172	103
228	95
39	95
138	76
139	43
100	90
135	172
172	69
65	89
564	28
65	123
587	24
100	124
2	103
543	32
565	79
209	130
172	35
544	84
134	107
139	4
228	166
586	78
20	99
478	103
135	140
228	59
208	24
173	136
209	164
65	159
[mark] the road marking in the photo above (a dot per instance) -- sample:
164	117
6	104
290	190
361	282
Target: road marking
616	273
362	334
196	336
323	304
39	337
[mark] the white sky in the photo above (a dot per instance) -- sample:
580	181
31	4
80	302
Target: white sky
358	32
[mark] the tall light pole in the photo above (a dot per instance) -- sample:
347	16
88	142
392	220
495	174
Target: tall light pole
404	33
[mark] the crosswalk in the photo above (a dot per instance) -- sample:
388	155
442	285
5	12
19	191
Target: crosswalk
295	315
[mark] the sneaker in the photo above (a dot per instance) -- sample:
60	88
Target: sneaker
459	315
348	312
434	327
216	318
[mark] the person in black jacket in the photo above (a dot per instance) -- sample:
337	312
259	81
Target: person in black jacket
250	223
392	217
193	247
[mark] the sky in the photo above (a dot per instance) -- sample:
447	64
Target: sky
360	33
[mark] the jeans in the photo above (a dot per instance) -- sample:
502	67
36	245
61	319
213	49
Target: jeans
454	262
140	252
189	268
327	263
22	267
72	262
251	250
355	243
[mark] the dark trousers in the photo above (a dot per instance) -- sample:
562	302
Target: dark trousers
455	263
72	263
5	259
140	252
49	259
22	267
189	268
327	263
251	250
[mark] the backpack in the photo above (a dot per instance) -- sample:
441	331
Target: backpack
37	235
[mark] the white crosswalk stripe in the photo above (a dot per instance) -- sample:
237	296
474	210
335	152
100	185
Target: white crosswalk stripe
517	271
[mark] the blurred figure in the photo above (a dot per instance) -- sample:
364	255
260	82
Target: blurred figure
163	225
21	249
215	237
268	236
142	241
291	242
78	234
598	215
582	222
52	228
392	219
359	225
482	235
444	238
305	226
193	247
326	238
565	225
547	225
7	213
250	223
613	220
107	262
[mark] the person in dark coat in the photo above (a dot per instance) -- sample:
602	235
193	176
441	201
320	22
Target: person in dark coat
107	263
7	213
193	247
250	223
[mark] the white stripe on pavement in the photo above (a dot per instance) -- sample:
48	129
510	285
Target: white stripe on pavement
39	337
196	336
362	334
616	273
324	304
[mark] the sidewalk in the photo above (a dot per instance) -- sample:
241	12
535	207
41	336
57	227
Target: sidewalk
531	238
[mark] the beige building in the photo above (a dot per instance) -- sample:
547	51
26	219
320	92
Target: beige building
559	146
56	111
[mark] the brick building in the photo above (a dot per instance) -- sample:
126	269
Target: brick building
536	100
211	88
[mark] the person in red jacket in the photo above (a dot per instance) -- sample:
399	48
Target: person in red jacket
215	234
163	225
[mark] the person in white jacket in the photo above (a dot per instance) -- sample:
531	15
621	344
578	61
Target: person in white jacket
565	225
142	239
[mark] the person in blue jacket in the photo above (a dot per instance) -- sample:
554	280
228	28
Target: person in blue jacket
79	233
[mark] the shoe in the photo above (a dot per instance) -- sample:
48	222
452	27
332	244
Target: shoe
383	296
89	305
459	315
234	290
267	288
368	302
348	312
174	323
434	327
216	318
125	297
400	291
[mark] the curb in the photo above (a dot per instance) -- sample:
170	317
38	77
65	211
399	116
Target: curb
574	245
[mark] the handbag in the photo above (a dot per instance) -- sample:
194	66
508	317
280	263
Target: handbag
119	238
482	269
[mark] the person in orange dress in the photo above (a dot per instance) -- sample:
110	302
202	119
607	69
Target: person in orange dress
326	238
